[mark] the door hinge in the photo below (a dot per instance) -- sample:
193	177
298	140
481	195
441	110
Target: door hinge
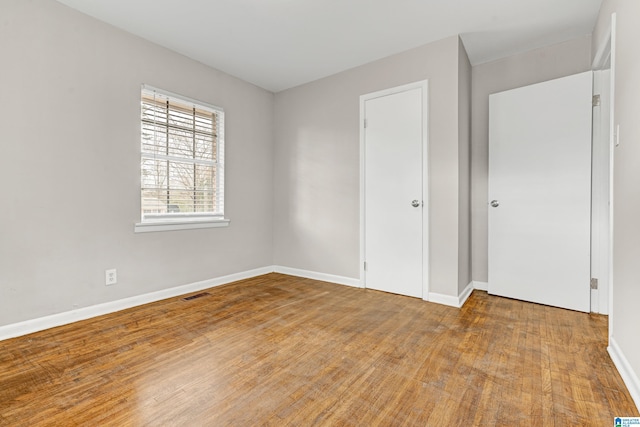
365	123
594	283
365	266
595	101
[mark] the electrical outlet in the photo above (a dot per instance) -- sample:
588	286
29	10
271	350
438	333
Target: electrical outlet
110	277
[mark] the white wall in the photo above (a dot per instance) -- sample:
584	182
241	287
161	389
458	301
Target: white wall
531	67
69	165
316	213
626	188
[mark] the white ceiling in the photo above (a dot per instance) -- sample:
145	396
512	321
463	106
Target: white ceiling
278	44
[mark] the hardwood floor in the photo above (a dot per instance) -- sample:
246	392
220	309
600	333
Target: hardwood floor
278	350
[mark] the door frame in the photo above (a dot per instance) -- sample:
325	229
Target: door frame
604	59
424	86
606	53
600	194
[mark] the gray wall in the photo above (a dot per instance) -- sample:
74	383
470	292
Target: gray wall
464	169
626	178
316	214
69	165
531	67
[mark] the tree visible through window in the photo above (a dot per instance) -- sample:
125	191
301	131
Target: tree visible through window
182	158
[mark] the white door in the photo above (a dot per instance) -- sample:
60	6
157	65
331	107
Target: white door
540	192
393	189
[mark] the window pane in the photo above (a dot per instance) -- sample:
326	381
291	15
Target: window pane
154	112
180	143
204	124
182	201
154	138
175	139
154	201
154	173
204	147
181	175
204	179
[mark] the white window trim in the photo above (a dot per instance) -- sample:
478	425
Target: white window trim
184	222
203	105
180	224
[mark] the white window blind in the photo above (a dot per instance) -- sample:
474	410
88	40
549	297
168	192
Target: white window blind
182	158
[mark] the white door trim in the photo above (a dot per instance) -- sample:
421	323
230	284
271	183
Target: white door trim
613	136
600	223
424	85
606	52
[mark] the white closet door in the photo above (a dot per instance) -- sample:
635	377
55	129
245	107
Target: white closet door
393	192
540	192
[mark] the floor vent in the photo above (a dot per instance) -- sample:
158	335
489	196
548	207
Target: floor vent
203	294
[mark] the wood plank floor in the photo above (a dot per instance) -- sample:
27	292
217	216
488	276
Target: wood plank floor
283	351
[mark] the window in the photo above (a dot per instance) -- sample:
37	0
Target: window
182	163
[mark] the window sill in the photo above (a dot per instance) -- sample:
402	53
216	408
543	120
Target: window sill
181	224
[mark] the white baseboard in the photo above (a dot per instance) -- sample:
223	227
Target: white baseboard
452	301
481	286
340	280
59	319
466	293
627	373
443	299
